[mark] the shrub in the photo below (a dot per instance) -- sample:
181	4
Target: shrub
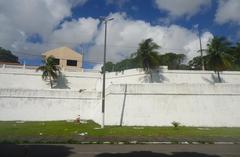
175	124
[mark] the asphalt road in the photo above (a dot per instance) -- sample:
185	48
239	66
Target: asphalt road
119	150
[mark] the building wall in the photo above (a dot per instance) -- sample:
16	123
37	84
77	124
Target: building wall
161	104
192	98
43	105
172	76
63	64
129	105
64	54
30	79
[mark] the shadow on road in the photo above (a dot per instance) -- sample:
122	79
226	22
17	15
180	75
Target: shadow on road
11	150
35	151
152	154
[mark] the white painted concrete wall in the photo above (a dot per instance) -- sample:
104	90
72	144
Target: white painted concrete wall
30	79
161	104
141	105
163	75
42	105
192	98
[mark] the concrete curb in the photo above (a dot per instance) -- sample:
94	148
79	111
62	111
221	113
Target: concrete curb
160	143
122	142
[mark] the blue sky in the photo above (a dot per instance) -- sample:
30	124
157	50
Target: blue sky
30	27
147	10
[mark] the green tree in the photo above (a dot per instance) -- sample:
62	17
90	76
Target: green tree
218	57
196	63
235	52
109	66
147	55
172	60
50	70
129	63
7	56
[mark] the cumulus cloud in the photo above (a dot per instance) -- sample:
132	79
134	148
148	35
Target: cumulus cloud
124	35
179	8
228	11
35	16
21	19
194	45
98	67
45	20
76	31
77	2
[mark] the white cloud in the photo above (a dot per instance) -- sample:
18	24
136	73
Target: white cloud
35	16
179	8
76	32
194	45
27	17
124	35
228	11
20	19
77	2
98	67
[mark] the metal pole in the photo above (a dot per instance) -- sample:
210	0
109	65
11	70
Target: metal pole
104	75
201	50
105	20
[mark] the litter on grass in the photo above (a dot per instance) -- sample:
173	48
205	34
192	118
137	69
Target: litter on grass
203	129
83	134
20	122
138	127
83	121
70	120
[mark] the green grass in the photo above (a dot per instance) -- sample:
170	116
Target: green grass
67	130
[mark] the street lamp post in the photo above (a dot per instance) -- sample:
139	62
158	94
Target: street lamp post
105	20
201	50
200	44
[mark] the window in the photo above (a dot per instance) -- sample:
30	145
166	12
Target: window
56	61
71	63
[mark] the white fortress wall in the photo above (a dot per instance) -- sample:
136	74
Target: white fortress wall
160	104
138	104
30	79
193	98
43	105
24	78
172	76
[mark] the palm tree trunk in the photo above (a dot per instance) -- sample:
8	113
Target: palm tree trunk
50	78
151	77
219	78
51	82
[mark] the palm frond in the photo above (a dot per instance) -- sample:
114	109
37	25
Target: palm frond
41	68
49	69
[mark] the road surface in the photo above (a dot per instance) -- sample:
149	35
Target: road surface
119	150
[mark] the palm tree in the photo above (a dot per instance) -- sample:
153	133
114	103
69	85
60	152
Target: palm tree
147	55
50	70
218	57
